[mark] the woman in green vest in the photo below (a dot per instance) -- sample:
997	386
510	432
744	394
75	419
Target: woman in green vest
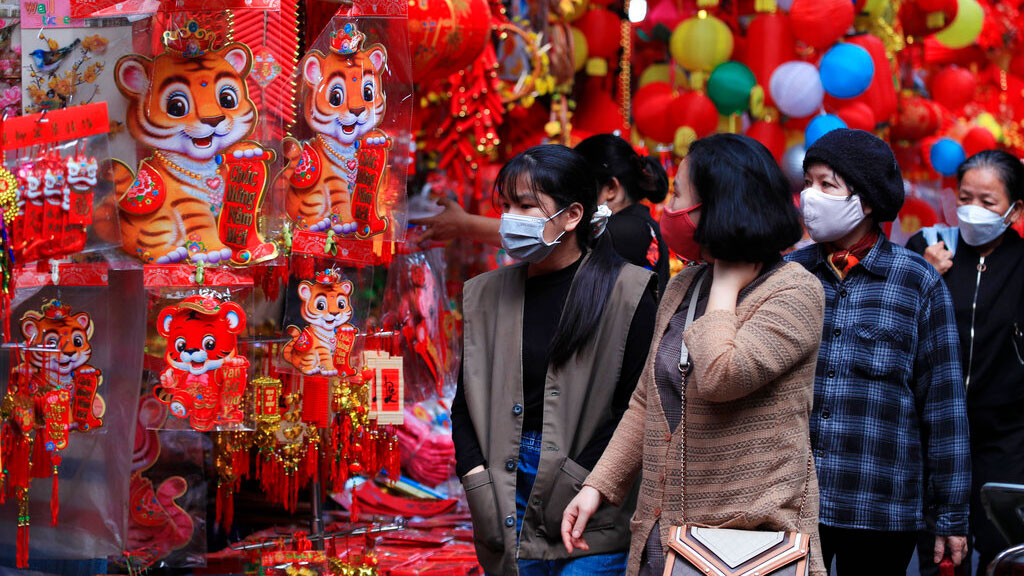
553	349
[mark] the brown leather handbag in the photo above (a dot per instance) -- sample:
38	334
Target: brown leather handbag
701	551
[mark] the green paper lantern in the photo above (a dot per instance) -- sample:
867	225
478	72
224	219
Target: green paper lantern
729	87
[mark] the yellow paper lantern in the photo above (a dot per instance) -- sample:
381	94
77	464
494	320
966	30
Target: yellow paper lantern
965	28
580	50
701	43
662	73
987	120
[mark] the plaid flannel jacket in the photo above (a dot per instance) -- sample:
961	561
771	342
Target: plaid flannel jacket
889	424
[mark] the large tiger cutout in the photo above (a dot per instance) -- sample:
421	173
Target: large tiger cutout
57	355
191	105
332	180
323	347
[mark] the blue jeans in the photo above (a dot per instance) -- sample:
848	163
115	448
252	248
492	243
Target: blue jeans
597	565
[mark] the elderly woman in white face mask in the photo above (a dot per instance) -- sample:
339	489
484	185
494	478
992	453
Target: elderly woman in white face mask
981	262
889	423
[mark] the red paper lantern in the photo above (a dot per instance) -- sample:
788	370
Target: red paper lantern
695	110
602	29
916	214
770	134
977	139
651	105
597	112
954	87
881	95
858	116
446	36
914	18
665	14
819	23
1017	64
918	118
773	44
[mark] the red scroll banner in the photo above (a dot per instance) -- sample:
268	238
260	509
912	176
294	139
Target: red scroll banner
239	215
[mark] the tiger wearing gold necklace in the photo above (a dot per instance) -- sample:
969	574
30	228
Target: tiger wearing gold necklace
191	105
344	105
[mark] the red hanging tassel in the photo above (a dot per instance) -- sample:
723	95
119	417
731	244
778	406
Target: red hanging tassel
54	499
23	521
303	267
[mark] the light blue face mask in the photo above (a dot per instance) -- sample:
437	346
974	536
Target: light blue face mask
522	237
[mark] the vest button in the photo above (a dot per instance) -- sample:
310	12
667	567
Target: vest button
517	409
510	465
510	521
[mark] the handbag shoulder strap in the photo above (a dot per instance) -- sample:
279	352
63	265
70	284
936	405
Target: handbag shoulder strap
685	367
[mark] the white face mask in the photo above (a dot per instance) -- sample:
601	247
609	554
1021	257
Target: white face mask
522	237
827	217
979	226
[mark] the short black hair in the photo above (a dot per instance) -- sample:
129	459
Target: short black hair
643	177
748	214
1006	165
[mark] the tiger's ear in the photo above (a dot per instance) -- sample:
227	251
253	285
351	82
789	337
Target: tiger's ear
305	291
30	325
83	321
238	56
378	57
132	74
312	69
235	316
346	287
163	321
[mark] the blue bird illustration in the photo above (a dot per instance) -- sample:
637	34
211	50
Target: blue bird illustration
49	60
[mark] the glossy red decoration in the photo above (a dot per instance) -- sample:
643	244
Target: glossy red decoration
918	118
774	44
953	87
602	29
446	36
858	116
770	134
977	139
914	18
651	105
820	23
695	110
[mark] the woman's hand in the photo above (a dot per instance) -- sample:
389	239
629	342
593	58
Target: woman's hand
730	278
576	516
449	224
938	256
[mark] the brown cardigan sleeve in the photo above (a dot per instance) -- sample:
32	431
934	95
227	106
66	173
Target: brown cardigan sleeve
615	472
732	359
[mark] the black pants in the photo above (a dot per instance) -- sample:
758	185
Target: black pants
867	552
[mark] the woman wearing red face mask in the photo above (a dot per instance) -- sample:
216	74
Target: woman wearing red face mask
721	410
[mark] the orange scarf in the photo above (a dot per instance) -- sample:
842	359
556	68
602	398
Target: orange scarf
842	261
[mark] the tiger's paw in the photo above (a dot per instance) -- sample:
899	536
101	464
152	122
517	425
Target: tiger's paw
328	371
339	228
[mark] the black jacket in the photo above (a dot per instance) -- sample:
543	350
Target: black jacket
996	364
637	238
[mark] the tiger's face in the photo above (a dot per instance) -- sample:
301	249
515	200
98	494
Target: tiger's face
201	333
196	106
66	334
326	305
345	98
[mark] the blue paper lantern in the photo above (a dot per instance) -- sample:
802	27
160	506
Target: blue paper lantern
947	156
847	70
820	126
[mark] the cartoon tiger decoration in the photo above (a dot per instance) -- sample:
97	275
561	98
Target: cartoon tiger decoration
206	378
191	105
332	180
324	346
67	367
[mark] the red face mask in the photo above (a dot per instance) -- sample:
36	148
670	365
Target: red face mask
677	228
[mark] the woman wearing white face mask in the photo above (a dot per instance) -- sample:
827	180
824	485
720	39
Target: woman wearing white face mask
553	349
983	270
889	423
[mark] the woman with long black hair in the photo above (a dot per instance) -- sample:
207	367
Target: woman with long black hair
553	349
626	180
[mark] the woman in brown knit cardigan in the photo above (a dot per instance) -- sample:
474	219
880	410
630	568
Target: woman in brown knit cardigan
743	414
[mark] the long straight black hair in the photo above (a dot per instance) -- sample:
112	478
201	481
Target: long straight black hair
565	176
